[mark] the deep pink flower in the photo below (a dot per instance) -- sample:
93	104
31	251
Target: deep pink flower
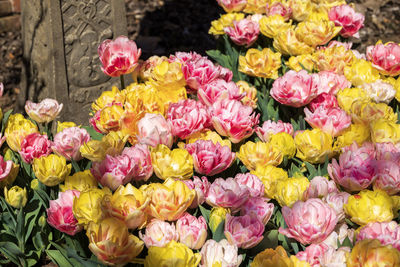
331	120
1	89
159	233
5	168
218	89
67	142
313	253
94	120
243	32
253	183
183	57
192	231
258	206
388	233
324	99
118	57
270	127
201	186
278	8
33	146
244	231
232	5
330	82
385	58
320	187
345	16
141	158
60	215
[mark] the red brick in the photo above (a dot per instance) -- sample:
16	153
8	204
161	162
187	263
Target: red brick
5	8
16	6
10	23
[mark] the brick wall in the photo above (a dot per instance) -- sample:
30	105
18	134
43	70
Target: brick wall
10	15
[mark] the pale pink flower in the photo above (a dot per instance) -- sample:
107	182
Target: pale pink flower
43	112
232	5
336	200
278	8
270	127
187	117
183	57
192	231
330	120
209	158
114	171
33	146
119	56
335	43
319	187
153	129
388	233
222	252
60	215
201	186
227	193
243	32
244	231
233	119
218	89
387	151
387	176
1	89
294	89
309	222
385	58
356	168
313	253
326	100
159	233
141	158
346	17
253	183
359	55
380	91
259	207
335	258
5	168
330	82
341	232
67	142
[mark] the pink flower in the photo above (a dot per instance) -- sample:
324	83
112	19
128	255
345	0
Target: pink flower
141	158
336	200
253	183
1	89
345	16
184	57
218	89
385	58
222	253
94	120
232	5
5	168
33	146
114	171
294	89
326	100
334	43
319	187
187	117
227	193
356	168
118	57
243	231
271	127
309	222
68	141
243	32
387	151
330	82
388	233
335	258
159	233
313	253
192	231
278	8
43	112
201	186
387	176
233	119
153	130
60	215
341	232
259	207
331	120
209	158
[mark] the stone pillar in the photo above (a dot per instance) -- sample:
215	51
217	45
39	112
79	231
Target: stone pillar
60	51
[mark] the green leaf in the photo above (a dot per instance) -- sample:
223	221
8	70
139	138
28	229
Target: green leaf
205	213
92	132
20	229
5	119
87	263
12	252
218	235
346	243
76	166
57	257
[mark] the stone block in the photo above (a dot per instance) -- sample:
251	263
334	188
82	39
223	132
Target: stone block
10	23
5	8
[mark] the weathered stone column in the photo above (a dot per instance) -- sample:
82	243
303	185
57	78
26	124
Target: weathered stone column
60	51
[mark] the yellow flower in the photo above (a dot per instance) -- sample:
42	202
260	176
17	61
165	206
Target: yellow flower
305	61
88	206
1	114
177	164
356	132
300	9
396	203
385	131
16	129
283	142
226	20
318	14
287	43
111	242
333	59
208	135
35	184
348	96
128	204
168	74
364	111
173	254
16	196
276	258
250	98
272	25
168	201
51	170
396	86
291	190
315	33
371	253
256	6
313	145
270	176
260	63
146	94
259	153
370	206
360	72
110	118
108	98
217	215
81	181
66	124
147	67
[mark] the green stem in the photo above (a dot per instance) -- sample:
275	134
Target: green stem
122	82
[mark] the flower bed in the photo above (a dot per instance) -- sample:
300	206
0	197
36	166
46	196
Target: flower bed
283	153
